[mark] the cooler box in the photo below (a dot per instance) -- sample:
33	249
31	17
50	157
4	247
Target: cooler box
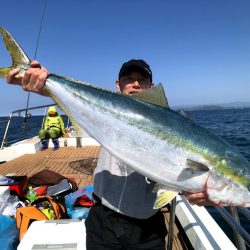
16	186
55	234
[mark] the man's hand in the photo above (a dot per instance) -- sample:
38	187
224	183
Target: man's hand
33	79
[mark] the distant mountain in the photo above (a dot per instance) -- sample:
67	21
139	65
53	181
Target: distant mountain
236	105
231	105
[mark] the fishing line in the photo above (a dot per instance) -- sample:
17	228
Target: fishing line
40	28
36	49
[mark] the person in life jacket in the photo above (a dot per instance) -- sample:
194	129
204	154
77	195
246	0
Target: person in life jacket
53	128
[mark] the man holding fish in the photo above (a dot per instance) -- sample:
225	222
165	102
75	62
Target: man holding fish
123	214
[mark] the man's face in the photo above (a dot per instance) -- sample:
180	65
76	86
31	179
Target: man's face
132	83
52	113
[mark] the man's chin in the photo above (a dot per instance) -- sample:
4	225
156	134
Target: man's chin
133	92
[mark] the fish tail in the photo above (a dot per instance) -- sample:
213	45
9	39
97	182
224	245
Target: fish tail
18	56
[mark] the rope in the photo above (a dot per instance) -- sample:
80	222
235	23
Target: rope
37	43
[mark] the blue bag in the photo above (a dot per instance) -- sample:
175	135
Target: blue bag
8	233
81	212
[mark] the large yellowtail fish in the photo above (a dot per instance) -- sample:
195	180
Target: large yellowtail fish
155	141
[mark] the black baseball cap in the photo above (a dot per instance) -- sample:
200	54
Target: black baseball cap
137	65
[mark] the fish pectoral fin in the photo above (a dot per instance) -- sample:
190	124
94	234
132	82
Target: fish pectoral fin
194	165
192	169
163	198
18	56
155	95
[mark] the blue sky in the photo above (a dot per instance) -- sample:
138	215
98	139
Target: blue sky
199	50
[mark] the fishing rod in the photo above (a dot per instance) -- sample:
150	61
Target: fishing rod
36	49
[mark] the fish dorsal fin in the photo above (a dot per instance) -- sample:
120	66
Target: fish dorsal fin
194	165
155	95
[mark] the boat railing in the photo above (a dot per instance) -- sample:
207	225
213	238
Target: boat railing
25	114
231	216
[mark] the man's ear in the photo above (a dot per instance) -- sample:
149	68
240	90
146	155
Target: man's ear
118	89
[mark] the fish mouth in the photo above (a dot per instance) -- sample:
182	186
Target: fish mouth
226	192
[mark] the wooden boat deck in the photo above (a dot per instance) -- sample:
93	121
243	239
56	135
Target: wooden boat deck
59	161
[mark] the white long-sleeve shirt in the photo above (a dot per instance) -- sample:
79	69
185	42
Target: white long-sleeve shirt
122	189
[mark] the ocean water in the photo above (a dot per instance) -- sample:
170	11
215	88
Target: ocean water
231	124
